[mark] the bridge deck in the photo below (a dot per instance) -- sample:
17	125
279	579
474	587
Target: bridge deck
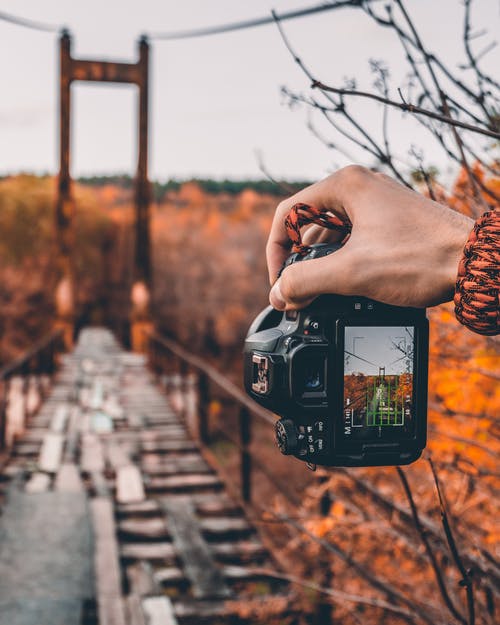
112	515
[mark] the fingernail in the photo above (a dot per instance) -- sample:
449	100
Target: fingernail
275	297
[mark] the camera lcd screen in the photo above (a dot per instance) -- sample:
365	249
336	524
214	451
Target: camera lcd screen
378	383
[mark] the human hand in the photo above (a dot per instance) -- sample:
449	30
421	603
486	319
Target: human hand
404	248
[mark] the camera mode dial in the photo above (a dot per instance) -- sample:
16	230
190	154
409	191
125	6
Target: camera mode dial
286	436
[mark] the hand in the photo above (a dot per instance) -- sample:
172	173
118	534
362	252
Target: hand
404	248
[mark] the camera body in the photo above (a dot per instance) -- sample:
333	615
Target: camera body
348	376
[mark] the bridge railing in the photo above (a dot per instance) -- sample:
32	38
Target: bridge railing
168	357
31	373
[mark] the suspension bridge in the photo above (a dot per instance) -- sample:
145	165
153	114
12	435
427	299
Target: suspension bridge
113	510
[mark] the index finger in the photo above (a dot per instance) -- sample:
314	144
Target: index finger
322	194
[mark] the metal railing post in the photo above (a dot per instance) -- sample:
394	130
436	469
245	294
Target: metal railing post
3	411
245	455
203	407
324	609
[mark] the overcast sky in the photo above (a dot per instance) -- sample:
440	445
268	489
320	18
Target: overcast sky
214	100
376	345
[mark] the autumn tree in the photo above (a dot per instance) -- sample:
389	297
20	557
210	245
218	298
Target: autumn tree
415	545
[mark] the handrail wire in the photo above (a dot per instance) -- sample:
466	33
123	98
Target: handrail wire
200	32
27	23
260	21
218	378
10	369
233	392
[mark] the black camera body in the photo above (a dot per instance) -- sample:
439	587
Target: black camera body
348	376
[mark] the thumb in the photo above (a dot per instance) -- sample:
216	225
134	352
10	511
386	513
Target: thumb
302	282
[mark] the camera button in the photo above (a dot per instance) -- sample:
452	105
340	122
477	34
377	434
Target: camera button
312	326
319	445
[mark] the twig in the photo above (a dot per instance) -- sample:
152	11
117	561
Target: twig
284	186
466	581
444	103
335	594
406	107
432	557
339	107
361	570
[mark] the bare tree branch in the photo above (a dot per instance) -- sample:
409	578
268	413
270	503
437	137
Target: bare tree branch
466	581
406	107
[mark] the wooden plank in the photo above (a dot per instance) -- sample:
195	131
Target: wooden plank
51	452
106	563
169	575
134	611
146	508
205	577
163	447
155	552
129	486
166	432
174	466
26	449
100	422
59	419
209	611
239	552
68	479
217	506
141	580
226	526
159	611
38	483
144	528
100	484
135	419
92	457
117	455
184	483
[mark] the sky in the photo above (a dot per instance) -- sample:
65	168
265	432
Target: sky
375	345
215	101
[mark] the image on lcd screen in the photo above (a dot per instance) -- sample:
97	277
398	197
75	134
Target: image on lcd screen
378	382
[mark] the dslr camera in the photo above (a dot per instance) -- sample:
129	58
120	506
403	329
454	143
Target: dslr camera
347	375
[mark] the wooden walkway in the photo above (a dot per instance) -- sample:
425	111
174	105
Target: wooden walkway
107	456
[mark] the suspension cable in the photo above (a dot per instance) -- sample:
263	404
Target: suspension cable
27	23
261	21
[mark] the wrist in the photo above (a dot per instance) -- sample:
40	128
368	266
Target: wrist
460	228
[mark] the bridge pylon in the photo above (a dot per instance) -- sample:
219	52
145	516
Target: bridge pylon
71	70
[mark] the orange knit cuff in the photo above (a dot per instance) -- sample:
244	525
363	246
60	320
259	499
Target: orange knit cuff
478	281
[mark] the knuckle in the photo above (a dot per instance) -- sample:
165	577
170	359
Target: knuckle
283	208
289	285
354	174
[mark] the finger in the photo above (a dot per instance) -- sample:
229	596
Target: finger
323	194
302	282
318	234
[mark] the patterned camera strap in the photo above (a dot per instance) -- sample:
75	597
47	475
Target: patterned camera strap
304	214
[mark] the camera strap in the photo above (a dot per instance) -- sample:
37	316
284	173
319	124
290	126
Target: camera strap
303	214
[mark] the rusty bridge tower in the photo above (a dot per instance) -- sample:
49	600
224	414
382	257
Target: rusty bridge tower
72	69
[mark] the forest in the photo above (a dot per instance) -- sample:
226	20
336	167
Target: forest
209	282
371	546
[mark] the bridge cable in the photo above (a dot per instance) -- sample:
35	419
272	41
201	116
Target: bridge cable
261	21
27	23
